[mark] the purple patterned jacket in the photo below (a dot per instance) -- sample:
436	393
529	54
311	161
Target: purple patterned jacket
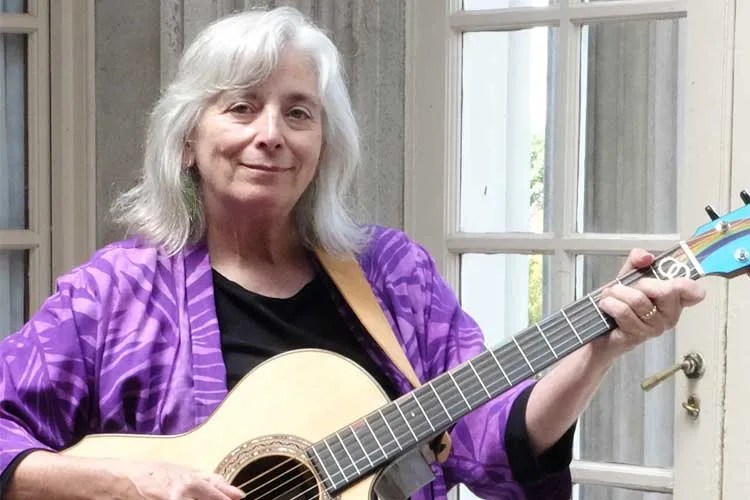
130	343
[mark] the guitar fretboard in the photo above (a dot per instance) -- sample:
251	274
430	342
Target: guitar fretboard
425	412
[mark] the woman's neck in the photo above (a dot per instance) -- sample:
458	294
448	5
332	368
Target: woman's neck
268	259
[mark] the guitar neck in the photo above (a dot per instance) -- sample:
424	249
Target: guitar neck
429	410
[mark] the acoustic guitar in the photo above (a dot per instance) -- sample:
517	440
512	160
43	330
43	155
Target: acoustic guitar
332	432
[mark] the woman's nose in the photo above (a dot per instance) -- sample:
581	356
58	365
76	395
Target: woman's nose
269	130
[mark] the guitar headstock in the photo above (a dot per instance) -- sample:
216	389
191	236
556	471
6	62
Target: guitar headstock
722	246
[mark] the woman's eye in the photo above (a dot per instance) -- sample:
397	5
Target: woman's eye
240	108
299	114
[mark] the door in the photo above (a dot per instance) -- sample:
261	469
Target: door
544	140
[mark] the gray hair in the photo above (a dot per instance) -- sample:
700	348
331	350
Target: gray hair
236	52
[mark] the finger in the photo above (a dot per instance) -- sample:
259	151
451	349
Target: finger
202	489
221	484
691	292
634	298
637	258
627	320
665	295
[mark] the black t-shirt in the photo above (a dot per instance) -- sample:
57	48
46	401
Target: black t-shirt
254	328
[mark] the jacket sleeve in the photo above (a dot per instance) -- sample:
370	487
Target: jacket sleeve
479	457
45	373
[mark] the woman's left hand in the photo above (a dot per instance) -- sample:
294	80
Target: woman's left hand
645	309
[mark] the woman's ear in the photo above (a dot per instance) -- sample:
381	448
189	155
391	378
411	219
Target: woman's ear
188	154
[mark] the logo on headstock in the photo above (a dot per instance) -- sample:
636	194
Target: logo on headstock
669	268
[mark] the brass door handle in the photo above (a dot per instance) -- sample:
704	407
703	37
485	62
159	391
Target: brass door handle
691	365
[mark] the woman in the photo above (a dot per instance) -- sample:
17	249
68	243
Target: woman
250	152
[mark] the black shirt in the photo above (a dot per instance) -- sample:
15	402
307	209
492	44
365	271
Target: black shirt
254	328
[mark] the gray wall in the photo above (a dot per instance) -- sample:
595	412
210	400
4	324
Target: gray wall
139	41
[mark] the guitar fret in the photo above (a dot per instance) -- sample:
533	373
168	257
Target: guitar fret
364	451
598	310
539	329
432	386
523	354
416	400
335	459
375	437
501	367
571	325
346	450
450	374
480	379
325	469
406	421
385	421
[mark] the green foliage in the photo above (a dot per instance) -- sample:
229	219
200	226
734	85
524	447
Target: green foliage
535	288
537	206
537	172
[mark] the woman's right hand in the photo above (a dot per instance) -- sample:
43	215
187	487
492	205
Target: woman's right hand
50	475
162	481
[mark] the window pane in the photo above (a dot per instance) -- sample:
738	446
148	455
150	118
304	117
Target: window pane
504	4
502	292
506	134
594	492
13	6
624	424
12	131
14	270
631	109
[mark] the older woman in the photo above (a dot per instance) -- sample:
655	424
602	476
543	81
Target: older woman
249	156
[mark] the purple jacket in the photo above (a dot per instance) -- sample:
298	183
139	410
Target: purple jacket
130	343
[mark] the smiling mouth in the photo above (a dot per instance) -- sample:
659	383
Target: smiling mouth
264	168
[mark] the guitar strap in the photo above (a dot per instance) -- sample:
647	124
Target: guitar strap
348	277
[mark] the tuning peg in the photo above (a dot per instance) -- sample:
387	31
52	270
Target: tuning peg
745	197
711	212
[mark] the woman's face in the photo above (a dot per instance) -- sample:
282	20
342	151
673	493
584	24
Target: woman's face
259	148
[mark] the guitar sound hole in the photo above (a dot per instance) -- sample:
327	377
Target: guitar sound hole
277	477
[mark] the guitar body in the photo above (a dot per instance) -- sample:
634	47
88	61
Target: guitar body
271	416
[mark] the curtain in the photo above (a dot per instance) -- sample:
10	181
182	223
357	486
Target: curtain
630	155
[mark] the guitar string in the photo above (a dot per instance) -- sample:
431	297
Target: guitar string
551	334
356	461
452	405
535	344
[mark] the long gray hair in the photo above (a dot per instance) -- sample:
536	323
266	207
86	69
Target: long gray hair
237	52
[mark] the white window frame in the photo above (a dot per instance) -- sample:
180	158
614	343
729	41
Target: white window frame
61	141
432	159
35	239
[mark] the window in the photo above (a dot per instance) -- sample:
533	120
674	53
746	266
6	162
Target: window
24	160
46	112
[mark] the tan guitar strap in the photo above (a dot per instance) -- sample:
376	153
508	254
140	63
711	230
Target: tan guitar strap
348	277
